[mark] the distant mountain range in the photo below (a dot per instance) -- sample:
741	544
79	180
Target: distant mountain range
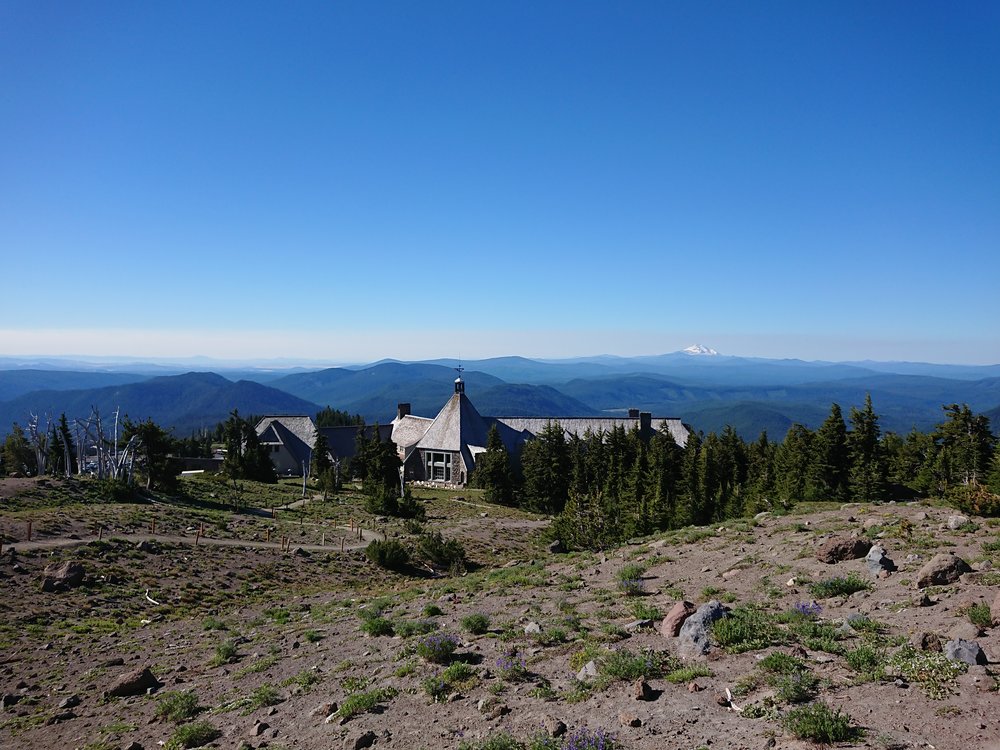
706	389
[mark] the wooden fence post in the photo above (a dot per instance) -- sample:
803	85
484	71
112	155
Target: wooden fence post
100	532
29	531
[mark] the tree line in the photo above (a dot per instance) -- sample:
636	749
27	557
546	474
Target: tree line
606	487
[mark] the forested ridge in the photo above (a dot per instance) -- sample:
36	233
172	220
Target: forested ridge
607	487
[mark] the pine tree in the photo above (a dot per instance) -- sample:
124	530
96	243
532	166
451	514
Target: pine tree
17	453
320	462
791	465
966	439
493	473
153	449
663	470
546	465
829	468
760	475
868	474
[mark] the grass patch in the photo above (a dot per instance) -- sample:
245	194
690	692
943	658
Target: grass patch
747	629
477	623
197	734
840	586
359	703
225	653
177	706
979	615
688	673
933	671
817	722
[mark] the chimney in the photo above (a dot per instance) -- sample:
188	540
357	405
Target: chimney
633	413
402	410
645	423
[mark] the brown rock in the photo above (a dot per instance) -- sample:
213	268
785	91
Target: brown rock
641	691
629	720
554	727
927	642
694	687
671	625
839	549
359	740
942	569
136	682
67	575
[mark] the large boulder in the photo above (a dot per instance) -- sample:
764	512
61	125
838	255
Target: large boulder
693	639
839	549
941	570
67	575
969	652
136	682
671	625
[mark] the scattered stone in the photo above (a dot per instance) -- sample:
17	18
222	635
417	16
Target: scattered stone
969	652
879	565
671	625
641	691
556	547
926	601
9	700
144	546
693	639
301	552
638	625
62	577
324	709
357	740
492	707
731	573
927	642
136	682
554	727
259	727
722	699
694	687
629	720
134	746
70	702
588	671
60	717
118	662
942	569
532	628
957	521
839	549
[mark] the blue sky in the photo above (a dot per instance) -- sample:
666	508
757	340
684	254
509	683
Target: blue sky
351	181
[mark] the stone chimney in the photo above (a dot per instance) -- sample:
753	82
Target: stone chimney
645	423
402	410
633	413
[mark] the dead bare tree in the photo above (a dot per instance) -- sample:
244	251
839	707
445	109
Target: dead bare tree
112	463
39	441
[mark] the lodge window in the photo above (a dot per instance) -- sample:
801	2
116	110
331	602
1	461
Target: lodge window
438	466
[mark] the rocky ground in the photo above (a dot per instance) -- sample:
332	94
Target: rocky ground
126	644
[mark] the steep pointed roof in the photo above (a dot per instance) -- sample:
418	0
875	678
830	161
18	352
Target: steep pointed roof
457	426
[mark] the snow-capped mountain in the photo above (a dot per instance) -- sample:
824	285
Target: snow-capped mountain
699	350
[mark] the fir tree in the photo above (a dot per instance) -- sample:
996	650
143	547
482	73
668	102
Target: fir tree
868	474
493	472
830	465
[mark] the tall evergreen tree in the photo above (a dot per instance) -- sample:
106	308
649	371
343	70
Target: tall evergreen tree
545	462
760	484
966	439
320	462
493	473
17	453
869	473
829	471
663	467
791	465
153	452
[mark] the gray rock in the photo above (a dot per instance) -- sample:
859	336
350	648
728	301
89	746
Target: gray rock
554	727
969	652
879	565
955	522
532	628
941	570
693	639
588	671
638	625
839	549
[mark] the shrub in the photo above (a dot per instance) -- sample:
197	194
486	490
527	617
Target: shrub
377	626
389	554
213	623
177	706
838	586
624	665
440	551
511	666
477	624
630	580
192	735
866	660
798	686
586	739
979	615
440	686
265	695
816	722
312	636
437	648
643	611
225	653
686	674
746	629
432	610
359	703
932	670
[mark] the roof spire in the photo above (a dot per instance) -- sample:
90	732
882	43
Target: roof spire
459	383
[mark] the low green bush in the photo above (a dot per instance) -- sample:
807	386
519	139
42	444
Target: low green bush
177	706
747	629
839	586
193	735
477	623
817	722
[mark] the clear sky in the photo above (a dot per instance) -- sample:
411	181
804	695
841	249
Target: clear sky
355	180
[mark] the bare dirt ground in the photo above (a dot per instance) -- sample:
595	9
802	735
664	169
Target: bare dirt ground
293	622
